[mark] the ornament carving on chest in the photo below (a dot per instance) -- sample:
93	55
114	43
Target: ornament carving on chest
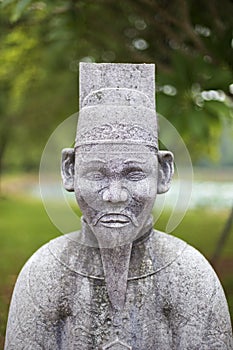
116	345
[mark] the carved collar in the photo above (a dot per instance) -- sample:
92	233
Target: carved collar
151	253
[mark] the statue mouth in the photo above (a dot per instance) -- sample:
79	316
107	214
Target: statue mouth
114	220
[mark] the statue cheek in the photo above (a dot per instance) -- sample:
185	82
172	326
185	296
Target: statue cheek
138	203
143	201
87	210
87	192
145	191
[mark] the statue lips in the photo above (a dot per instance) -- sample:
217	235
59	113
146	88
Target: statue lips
114	220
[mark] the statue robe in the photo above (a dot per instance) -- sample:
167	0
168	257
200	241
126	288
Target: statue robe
174	300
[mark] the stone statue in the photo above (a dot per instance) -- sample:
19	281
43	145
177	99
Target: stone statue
117	284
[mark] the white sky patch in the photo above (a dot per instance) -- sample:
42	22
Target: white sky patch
213	95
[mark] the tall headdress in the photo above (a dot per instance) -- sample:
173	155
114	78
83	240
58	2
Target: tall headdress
117	104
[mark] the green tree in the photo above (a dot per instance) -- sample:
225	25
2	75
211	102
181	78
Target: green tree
190	41
18	71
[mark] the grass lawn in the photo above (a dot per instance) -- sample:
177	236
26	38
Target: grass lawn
25	226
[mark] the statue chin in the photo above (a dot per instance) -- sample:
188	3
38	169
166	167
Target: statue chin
112	234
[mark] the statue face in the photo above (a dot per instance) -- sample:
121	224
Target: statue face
115	187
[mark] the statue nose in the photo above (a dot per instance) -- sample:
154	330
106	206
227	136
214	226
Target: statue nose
115	193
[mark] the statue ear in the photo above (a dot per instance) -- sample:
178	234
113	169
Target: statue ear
165	171
67	168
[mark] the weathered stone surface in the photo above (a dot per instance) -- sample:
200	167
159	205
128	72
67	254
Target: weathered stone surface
117	284
117	345
126	77
174	299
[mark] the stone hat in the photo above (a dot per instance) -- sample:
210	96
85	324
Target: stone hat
117	104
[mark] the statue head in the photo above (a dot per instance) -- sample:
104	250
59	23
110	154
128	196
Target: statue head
116	169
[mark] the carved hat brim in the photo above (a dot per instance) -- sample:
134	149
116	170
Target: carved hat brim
117	124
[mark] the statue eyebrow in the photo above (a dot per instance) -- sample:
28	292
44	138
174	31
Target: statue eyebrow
94	161
134	161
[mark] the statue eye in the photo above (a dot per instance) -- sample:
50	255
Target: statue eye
95	176
135	175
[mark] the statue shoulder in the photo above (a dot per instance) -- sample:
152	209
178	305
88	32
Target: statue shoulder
183	257
38	298
192	285
43	259
43	272
180	252
186	269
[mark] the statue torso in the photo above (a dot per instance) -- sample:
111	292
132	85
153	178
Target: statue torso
173	298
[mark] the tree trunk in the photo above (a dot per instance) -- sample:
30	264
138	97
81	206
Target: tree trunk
223	237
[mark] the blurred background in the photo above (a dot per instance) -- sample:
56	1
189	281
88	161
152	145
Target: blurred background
42	43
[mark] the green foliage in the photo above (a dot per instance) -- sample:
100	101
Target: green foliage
43	41
19	8
17	68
